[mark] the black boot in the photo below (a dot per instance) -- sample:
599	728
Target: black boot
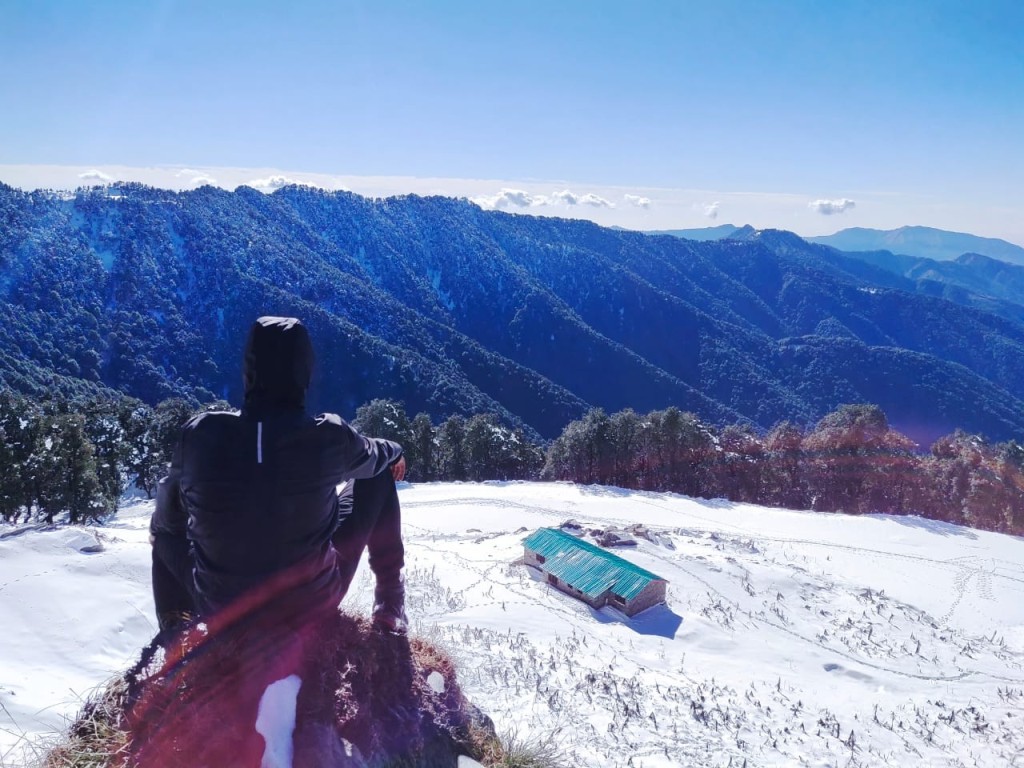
389	609
174	621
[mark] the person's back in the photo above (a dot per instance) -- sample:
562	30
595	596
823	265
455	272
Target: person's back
261	497
256	490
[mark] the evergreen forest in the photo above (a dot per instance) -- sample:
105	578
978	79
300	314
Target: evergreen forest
78	459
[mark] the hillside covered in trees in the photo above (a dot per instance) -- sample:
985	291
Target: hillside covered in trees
450	309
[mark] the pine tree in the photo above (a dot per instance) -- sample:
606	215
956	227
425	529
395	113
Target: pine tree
65	470
856	462
422	450
737	466
480	447
495	452
106	433
385	419
19	427
156	447
684	449
136	419
783	478
451	456
626	439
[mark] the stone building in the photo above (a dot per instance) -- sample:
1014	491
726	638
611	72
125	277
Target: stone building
591	574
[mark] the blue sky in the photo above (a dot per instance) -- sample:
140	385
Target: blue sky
635	113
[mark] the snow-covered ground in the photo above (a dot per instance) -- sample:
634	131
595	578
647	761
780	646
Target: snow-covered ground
789	638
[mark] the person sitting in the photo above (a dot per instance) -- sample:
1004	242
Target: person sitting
249	514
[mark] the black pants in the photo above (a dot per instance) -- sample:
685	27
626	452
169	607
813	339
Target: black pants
370	519
172	577
374	524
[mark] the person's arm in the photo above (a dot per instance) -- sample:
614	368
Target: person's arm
168	528
170	518
169	537
365	457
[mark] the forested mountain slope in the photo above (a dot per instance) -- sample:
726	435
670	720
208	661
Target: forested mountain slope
451	308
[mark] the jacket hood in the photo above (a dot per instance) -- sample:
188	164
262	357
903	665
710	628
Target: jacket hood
278	363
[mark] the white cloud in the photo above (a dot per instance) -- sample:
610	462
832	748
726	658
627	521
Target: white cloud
508	198
596	201
638	201
520	198
571	198
202	179
711	210
95	175
828	207
271	183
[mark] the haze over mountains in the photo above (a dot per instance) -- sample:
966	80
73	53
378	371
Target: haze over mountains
917	242
923	242
451	308
704	234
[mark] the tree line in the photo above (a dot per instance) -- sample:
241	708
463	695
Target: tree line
473	448
80	457
851	461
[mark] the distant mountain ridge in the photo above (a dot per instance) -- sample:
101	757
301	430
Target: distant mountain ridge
453	309
703	234
922	242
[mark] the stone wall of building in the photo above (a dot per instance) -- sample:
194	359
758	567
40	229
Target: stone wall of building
650	596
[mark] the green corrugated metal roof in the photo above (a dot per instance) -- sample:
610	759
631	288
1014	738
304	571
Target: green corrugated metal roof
588	568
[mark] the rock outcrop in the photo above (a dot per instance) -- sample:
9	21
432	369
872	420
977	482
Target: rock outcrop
354	698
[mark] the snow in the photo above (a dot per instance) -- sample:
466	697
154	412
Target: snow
436	682
789	638
275	721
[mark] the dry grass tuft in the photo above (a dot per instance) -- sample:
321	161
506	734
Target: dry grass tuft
513	751
98	738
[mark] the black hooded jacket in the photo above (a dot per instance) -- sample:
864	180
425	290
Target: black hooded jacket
255	492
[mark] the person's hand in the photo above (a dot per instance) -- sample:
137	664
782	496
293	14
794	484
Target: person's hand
398	469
